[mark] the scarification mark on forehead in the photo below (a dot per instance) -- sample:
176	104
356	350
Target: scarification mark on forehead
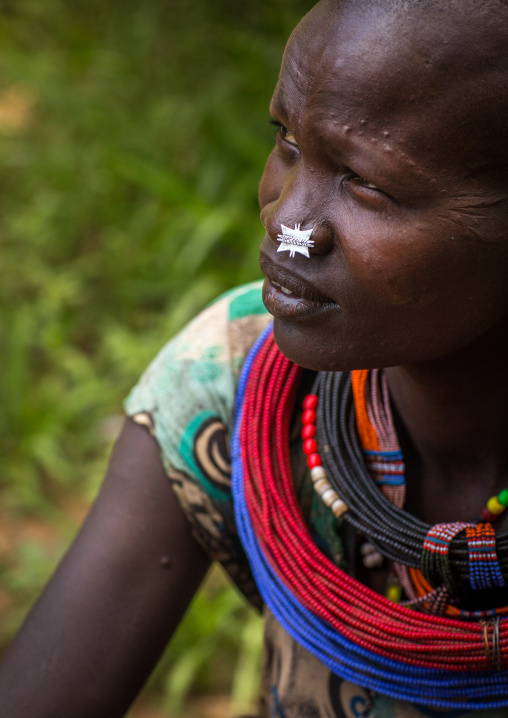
369	46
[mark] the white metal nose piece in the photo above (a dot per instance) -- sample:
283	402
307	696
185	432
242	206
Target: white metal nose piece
295	240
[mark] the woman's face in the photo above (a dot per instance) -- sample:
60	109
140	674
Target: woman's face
387	149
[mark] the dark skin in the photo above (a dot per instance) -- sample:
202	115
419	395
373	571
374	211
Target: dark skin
101	624
392	146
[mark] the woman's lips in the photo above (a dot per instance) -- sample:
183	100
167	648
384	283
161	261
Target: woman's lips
288	297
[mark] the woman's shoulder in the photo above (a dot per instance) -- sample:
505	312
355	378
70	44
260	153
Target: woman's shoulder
204	360
201	365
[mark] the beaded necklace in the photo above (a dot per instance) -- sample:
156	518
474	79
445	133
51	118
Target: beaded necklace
385	465
390	464
442	552
358	634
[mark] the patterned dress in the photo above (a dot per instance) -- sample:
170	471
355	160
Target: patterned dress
186	399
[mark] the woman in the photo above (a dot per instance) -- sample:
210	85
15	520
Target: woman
384	202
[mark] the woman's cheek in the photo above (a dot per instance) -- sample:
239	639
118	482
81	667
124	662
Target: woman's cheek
391	265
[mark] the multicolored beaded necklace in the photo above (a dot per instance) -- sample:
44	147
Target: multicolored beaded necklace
385	464
360	635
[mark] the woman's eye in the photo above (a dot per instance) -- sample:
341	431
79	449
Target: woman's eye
284	133
365	190
366	183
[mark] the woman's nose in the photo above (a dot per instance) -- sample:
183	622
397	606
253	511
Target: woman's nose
296	228
295	211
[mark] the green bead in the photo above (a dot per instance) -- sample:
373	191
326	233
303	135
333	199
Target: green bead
503	497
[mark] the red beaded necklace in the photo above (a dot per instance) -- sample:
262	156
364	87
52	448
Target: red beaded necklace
359	614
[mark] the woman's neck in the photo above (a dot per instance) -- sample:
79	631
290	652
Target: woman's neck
452	417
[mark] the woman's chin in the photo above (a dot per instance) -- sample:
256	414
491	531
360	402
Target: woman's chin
300	348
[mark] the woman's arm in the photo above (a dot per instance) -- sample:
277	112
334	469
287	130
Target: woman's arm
102	622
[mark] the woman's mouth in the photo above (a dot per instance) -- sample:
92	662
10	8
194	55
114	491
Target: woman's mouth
288	297
284	290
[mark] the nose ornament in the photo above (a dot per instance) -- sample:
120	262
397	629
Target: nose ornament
295	240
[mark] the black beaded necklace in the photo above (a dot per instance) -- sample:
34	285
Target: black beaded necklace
398	535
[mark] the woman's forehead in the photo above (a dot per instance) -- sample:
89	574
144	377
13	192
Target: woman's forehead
373	41
439	73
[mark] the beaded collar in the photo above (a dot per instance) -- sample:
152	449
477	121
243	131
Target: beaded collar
359	635
384	463
447	554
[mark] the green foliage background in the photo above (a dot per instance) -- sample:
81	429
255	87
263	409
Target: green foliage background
132	139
